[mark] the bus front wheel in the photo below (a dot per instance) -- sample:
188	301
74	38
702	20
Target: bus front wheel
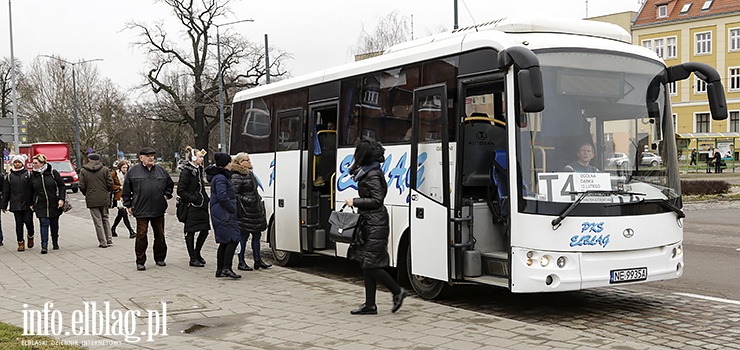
425	287
281	257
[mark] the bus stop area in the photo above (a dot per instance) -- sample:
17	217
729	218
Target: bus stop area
278	308
705	144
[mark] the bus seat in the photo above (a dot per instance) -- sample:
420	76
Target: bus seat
481	136
500	180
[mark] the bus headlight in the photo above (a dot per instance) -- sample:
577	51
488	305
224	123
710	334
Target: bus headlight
544	260
561	262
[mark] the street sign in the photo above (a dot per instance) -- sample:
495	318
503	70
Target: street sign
8	122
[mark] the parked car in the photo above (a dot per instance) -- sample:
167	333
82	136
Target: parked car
651	159
618	159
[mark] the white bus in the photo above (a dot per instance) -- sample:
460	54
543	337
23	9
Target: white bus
479	125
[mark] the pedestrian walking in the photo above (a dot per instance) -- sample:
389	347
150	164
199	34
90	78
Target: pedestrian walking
192	193
372	253
146	190
18	195
223	213
119	177
49	193
250	210
96	185
717	161
693	156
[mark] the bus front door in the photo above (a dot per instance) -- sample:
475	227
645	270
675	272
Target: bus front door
430	192
285	236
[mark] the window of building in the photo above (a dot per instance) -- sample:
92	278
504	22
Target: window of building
734	84
734	124
685	9
673	88
707	5
662	11
703	123
703	43
734	39
659	47
675	122
648	44
671	47
700	87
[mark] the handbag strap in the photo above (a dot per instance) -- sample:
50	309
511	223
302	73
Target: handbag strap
345	205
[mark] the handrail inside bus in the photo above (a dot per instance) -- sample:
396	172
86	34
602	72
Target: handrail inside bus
485	119
326	132
331	190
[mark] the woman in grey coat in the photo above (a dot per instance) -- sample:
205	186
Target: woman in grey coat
372	253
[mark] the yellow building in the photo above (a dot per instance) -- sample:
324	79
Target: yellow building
705	31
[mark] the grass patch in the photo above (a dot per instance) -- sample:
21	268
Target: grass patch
12	338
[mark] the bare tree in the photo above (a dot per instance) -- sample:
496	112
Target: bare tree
184	77
391	29
6	75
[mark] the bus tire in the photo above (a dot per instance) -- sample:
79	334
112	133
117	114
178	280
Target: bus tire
281	257
425	287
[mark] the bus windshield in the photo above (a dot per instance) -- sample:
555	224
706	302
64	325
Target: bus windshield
605	129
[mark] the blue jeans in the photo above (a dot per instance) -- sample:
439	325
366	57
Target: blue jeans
45	223
255	245
23	217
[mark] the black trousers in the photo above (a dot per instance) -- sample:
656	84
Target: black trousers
122	215
23	217
372	277
225	256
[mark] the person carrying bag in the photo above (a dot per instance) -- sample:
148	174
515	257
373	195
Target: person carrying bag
345	226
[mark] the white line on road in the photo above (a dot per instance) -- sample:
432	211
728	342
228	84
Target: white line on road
704	297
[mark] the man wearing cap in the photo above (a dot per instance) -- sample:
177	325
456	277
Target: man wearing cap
146	189
96	185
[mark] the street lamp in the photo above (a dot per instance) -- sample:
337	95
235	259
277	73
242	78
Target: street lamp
74	93
222	123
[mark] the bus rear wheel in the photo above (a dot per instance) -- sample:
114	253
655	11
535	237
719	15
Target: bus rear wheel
425	287
281	257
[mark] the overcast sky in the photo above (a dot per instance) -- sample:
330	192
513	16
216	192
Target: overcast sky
319	33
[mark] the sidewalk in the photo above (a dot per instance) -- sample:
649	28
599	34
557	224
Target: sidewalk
274	309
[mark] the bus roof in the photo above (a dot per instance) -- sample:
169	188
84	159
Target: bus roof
499	34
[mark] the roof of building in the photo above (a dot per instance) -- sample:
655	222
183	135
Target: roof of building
679	10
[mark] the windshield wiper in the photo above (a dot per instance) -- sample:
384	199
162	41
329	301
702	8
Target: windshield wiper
556	223
664	203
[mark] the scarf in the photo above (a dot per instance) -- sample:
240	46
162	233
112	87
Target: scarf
363	170
42	168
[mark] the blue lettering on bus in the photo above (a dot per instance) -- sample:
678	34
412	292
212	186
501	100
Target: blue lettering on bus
589	240
595	227
398	176
272	171
259	182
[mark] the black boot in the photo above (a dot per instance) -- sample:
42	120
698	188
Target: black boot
244	267
259	264
189	243
229	273
199	245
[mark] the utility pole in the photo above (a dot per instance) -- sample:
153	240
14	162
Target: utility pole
267	61
16	140
455	26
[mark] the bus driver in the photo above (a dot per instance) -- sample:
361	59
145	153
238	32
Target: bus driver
583	165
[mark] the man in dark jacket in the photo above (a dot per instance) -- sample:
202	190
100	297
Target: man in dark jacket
96	185
146	189
17	193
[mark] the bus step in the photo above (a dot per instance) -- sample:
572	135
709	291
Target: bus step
496	263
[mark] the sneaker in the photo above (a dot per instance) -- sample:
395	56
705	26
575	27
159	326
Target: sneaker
30	242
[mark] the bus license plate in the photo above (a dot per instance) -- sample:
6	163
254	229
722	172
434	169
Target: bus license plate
628	275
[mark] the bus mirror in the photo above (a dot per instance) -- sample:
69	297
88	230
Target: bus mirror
530	90
529	76
715	91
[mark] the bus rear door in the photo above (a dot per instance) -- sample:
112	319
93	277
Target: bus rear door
288	181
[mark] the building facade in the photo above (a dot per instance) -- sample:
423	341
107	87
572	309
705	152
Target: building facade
706	31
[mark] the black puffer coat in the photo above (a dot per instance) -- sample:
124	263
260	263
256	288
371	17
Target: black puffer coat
47	188
192	191
17	190
250	208
372	188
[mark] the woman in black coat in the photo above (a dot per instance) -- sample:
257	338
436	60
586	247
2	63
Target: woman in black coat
223	213
192	192
250	210
17	193
373	252
49	192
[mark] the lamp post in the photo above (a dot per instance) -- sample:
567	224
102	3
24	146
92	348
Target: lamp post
222	123
74	94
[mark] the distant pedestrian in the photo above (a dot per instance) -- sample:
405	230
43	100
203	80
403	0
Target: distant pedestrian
119	177
372	253
146	189
694	153
96	185
49	193
223	213
250	210
710	160
192	192
17	192
717	161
